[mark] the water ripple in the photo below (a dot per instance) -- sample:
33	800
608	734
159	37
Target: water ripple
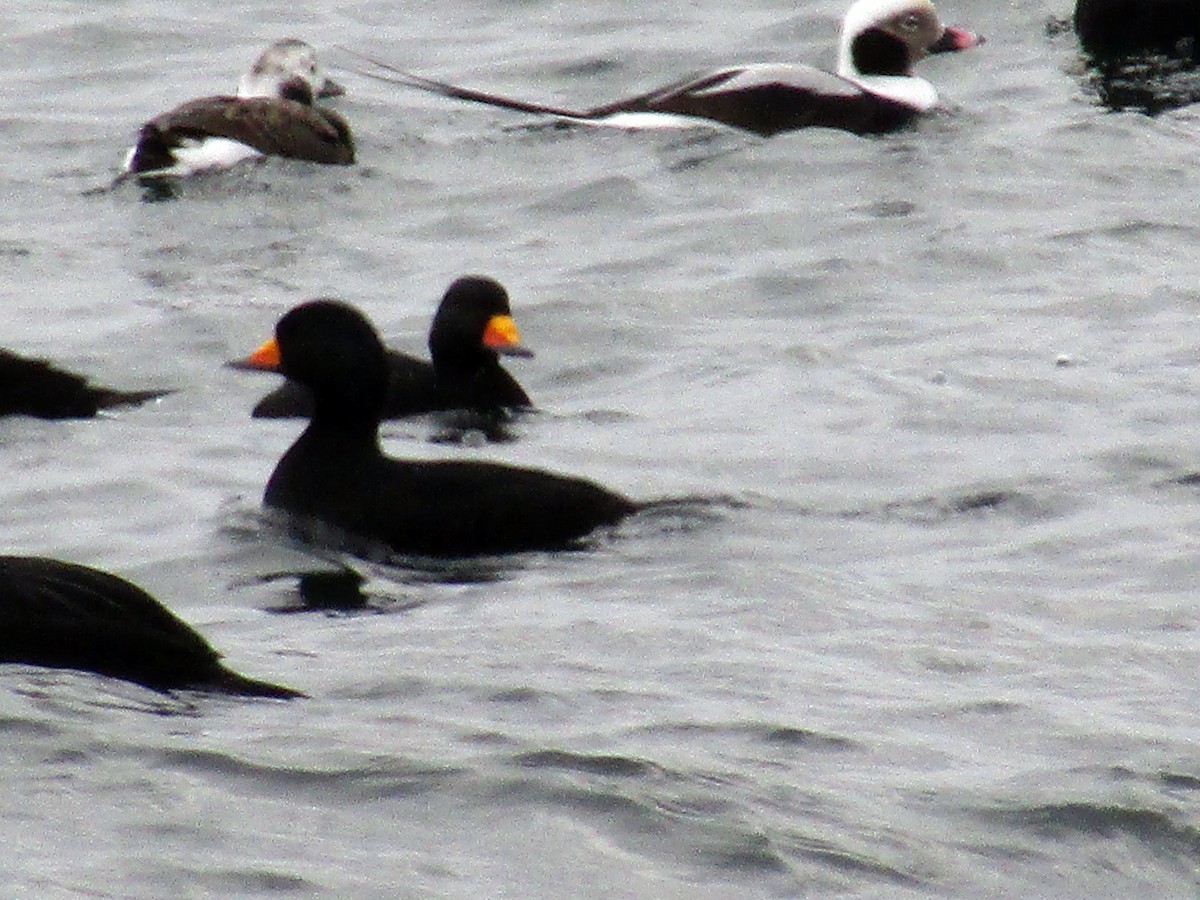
1154	828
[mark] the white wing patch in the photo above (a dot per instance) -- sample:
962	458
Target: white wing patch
204	155
212	153
650	120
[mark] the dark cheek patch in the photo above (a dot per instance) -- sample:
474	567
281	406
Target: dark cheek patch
875	52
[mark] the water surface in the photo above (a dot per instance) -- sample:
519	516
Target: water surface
930	633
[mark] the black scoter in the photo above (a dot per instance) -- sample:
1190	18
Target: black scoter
337	474
1144	54
472	327
67	616
1109	29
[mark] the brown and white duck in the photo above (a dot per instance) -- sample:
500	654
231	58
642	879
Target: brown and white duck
273	114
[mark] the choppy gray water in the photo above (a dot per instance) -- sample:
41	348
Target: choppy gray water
934	634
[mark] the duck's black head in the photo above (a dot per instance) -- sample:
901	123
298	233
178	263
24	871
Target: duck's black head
332	349
474	320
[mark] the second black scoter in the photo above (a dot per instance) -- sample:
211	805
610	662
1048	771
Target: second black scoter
336	472
473	326
67	616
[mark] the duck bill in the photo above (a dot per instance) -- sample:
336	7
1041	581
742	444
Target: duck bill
502	336
955	39
264	359
330	88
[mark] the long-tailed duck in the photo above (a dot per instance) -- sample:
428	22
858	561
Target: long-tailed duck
873	91
273	114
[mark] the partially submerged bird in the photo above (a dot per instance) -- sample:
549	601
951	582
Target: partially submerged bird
1109	29
67	616
473	326
1145	53
873	91
273	114
34	387
336	474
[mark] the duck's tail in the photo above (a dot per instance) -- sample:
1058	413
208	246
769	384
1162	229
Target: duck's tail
400	76
110	397
228	681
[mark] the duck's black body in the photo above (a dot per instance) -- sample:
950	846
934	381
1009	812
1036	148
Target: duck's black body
464	371
437	508
336	472
1144	53
772	99
34	387
63	615
1111	29
763	99
414	388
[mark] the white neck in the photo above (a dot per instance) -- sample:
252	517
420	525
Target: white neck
907	89
845	66
258	85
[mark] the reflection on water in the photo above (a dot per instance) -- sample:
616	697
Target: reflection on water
1148	84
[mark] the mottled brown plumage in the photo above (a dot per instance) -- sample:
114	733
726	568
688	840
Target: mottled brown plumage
274	126
273	114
